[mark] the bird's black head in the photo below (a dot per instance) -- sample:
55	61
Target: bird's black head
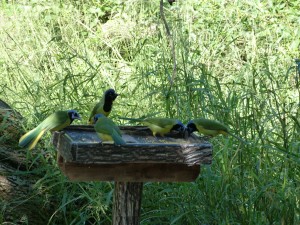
97	116
191	127
179	126
171	1
73	114
110	95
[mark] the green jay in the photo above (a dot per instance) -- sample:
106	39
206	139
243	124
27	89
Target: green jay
107	130
160	126
209	127
56	121
105	105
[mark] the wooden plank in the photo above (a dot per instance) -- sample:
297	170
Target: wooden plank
130	172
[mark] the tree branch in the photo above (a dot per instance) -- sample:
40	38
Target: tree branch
171	42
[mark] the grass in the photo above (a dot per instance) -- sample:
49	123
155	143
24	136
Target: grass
234	63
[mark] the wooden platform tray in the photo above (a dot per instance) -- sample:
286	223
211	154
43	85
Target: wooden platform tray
82	156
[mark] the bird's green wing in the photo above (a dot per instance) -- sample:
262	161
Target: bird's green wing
116	128
117	138
98	108
104	126
210	124
111	124
108	127
56	121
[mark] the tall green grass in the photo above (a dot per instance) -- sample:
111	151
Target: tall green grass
234	63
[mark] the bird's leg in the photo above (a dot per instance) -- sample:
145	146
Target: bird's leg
207	137
154	135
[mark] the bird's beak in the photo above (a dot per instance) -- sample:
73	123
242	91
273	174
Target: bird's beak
115	96
76	117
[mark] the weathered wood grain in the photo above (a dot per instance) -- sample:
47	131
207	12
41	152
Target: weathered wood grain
84	157
80	144
127	203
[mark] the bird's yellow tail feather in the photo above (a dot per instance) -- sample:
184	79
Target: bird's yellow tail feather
35	141
22	139
30	139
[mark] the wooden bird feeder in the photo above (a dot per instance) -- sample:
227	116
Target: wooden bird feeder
82	156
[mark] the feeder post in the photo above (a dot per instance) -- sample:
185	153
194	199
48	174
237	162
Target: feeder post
83	157
127	203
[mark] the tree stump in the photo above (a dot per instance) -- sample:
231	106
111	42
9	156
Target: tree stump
10	125
15	204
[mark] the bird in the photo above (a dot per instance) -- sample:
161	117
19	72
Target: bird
55	122
209	127
105	105
107	130
160	126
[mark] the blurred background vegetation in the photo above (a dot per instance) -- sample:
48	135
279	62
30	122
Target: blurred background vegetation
235	62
